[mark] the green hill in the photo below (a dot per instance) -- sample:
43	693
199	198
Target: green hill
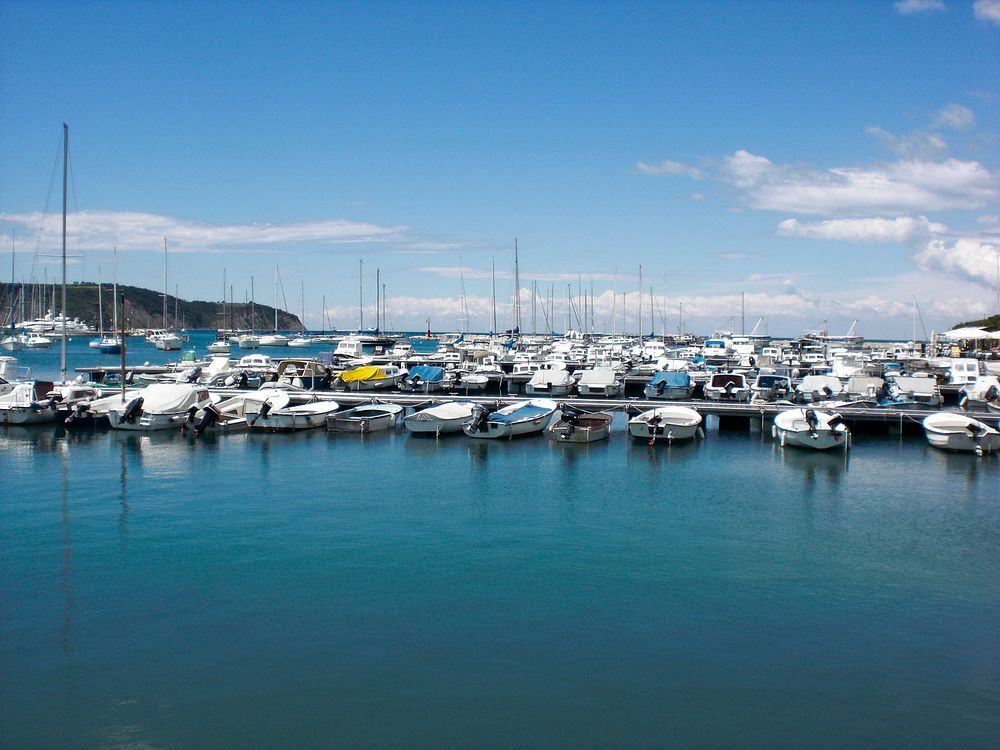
991	322
143	308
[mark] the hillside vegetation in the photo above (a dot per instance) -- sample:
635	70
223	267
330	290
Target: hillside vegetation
143	308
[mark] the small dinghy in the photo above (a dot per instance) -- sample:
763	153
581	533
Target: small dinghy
956	432
665	423
451	416
811	428
575	426
521	418
292	416
366	418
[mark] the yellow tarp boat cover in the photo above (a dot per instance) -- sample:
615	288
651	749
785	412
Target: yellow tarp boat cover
368	372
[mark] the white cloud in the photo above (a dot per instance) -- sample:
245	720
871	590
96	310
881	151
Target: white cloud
970	259
668	168
909	7
145	231
899	187
916	144
955	116
454	272
987	10
904	230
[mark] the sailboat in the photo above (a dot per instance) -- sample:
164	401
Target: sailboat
12	342
274	338
165	339
40	401
112	343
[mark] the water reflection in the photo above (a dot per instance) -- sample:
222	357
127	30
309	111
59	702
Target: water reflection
123	495
69	603
813	465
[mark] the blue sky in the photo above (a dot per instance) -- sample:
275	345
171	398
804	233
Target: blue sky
797	161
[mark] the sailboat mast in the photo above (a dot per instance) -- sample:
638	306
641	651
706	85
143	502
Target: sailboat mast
361	295
275	298
62	340
493	276
114	284
378	282
517	291
164	283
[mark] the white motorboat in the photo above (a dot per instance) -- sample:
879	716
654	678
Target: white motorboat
957	432
665	423
273	339
219	347
166	341
424	379
600	381
159	406
230	415
40	401
669	384
727	386
811	428
520	418
37	341
370	378
248	341
575	426
450	416
550	382
769	387
365	418
303	416
300	342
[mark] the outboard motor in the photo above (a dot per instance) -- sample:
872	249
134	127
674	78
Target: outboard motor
480	418
813	421
660	387
458	378
242	382
262	414
975	430
992	394
133	410
80	414
194	375
656	425
210	415
727	392
327	380
189	420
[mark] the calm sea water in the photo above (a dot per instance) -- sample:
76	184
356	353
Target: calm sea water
319	590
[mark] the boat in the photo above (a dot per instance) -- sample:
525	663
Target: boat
982	392
576	426
305	373
219	347
519	418
159	406
37	341
468	382
365	418
370	378
12	342
957	432
291	417
230	415
248	341
600	381
300	342
550	381
670	385
912	391
666	423
727	386
811	428
450	416
769	387
41	401
166	341
818	388
424	379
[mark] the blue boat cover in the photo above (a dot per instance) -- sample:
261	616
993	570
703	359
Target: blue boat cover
426	373
672	379
528	411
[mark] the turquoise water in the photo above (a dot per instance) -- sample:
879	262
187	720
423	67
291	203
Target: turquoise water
332	590
321	590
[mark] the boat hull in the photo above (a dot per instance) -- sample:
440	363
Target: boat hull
954	432
586	429
667	423
793	428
